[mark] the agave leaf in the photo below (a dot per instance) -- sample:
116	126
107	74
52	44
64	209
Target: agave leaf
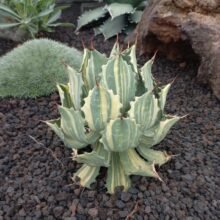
83	68
134	165
130	56
91	159
116	175
111	27
54	17
75	87
154	156
92	137
118	76
44	13
90	16
145	110
163	95
140	86
134	3
65	97
100	107
136	16
99	148
147	139
158	132
91	67
72	125
115	50
146	75
94	67
10	13
120	135
55	126
87	175
60	24
98	157
8	25
117	9
96	31
164	127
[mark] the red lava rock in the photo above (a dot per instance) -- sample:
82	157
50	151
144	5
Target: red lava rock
93	212
147	209
123	214
58	211
125	196
22	213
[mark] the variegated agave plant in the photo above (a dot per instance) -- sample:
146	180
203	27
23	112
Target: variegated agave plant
118	110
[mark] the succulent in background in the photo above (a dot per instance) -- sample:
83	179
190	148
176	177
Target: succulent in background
115	17
30	16
131	2
118	110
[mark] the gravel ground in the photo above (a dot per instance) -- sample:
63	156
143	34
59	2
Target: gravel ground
35	178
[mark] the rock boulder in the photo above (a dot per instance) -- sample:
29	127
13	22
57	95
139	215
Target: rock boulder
184	28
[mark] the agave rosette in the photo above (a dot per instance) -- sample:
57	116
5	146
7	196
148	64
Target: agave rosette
117	109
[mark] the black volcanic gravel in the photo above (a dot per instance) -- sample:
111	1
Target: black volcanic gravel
35	179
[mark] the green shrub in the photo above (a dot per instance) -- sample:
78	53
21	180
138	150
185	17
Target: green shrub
30	16
34	68
118	109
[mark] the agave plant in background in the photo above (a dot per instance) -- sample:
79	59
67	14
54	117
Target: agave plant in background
115	17
118	110
30	16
